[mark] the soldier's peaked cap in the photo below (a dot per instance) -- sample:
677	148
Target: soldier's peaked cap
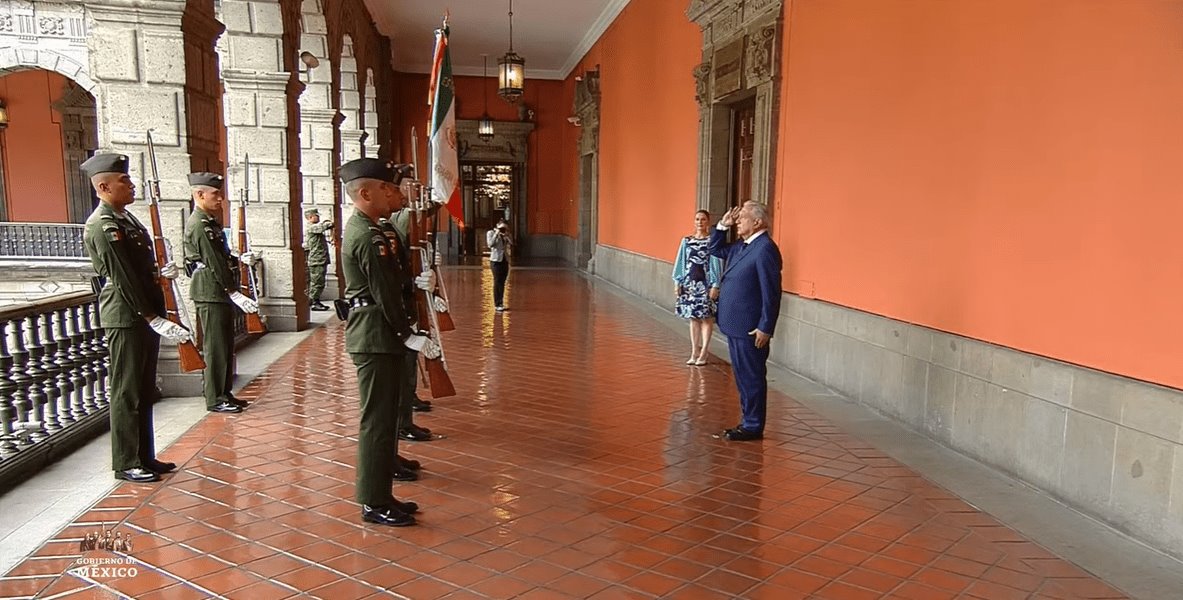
311	211
207	179
105	163
367	168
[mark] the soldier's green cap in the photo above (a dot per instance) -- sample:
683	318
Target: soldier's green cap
311	211
367	168
207	179
105	163
403	171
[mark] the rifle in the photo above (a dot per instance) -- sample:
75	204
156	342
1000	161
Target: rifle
443	307
189	355
246	274
437	368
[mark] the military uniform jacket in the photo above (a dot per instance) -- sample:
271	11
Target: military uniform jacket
208	259
315	244
373	273
121	251
398	241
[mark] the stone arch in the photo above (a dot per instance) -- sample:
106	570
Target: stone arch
317	108
370	145
349	104
15	58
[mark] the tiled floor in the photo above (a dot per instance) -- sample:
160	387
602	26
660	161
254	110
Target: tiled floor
578	463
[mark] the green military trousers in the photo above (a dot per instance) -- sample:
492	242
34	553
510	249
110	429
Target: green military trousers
216	320
379	381
406	400
132	392
316	282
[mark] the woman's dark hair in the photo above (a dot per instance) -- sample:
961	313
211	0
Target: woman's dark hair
703	211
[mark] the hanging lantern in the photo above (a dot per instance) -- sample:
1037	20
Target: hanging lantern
484	129
511	69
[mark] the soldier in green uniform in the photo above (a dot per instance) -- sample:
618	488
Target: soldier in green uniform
214	288
377	335
316	252
399	224
131	309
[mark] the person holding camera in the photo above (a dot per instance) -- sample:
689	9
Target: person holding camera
499	244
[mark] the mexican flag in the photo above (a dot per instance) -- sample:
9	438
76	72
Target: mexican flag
445	163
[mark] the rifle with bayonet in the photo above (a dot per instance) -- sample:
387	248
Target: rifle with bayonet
246	273
440	301
190	356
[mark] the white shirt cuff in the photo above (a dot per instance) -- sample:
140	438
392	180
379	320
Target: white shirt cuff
721	226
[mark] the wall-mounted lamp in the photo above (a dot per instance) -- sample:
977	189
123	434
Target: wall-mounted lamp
310	62
3	116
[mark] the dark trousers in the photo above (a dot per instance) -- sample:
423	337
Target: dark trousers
379	381
750	366
132	380
500	274
216	320
406	400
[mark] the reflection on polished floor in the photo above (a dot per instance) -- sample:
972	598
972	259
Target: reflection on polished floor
577	463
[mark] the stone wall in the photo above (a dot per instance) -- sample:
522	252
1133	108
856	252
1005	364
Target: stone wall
1109	446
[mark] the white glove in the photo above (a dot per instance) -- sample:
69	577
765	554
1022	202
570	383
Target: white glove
246	304
441	305
426	281
416	342
431	349
248	258
169	330
169	271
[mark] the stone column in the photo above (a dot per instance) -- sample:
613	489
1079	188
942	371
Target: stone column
137	58
256	89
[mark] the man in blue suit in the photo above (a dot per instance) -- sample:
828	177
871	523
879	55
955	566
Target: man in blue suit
749	304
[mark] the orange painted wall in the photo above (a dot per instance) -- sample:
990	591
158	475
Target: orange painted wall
1007	170
648	128
34	171
1003	170
549	206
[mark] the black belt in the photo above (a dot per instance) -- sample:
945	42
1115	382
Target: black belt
360	301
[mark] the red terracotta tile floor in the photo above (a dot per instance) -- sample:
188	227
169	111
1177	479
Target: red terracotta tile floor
577	463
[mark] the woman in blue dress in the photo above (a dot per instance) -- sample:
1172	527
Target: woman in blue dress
696	283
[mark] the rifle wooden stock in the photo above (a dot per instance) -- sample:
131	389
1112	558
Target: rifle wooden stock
437	371
190	356
254	324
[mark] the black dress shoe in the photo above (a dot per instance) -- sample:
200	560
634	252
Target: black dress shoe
421	405
236	401
407	463
408	507
401	474
137	475
318	307
225	407
158	467
414	434
740	434
386	515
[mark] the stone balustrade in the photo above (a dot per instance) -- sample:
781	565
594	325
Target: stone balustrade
53	380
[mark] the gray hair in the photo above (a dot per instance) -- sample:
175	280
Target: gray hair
758	211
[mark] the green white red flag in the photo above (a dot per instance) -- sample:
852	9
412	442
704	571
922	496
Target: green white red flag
445	161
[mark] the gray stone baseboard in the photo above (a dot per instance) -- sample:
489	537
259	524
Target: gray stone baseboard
1109	446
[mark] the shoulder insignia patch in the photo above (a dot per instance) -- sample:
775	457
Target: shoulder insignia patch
114	234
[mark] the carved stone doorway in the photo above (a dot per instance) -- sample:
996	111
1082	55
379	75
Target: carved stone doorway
79	140
738	93
587	118
507	147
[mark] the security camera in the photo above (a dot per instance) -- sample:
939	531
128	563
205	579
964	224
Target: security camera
576	121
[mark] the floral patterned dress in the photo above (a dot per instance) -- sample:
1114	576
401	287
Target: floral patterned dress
697	272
